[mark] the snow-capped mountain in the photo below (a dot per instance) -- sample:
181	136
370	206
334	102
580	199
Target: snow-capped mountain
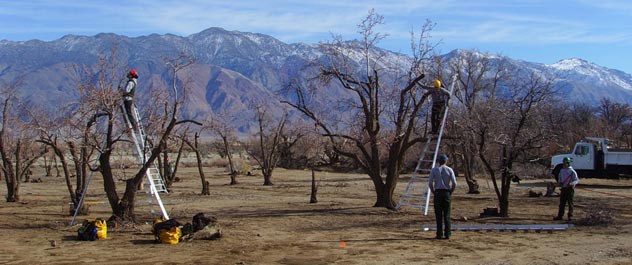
234	68
576	79
590	81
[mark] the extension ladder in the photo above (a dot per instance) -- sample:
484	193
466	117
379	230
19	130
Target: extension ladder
154	183
417	188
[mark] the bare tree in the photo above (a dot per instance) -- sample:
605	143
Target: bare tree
101	95
477	76
294	148
372	119
195	146
614	116
265	148
511	128
16	139
169	168
221	125
61	132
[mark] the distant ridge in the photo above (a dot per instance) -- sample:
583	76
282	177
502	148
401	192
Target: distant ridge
234	68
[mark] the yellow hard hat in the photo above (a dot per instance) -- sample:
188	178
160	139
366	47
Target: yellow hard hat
437	83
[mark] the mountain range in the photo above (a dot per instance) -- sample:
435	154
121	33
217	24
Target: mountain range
234	68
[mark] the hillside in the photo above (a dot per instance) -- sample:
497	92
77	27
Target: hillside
234	68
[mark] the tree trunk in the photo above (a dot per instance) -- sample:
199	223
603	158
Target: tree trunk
80	163
13	184
176	164
507	165
231	165
267	178
383	192
18	162
162	169
312	197
57	173
108	182
64	164
504	195
205	184
384	198
13	189
468	167
233	178
125	208
206	188
165	169
47	167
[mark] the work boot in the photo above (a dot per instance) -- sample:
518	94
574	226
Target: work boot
557	218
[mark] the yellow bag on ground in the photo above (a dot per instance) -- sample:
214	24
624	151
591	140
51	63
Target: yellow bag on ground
102	228
171	236
167	231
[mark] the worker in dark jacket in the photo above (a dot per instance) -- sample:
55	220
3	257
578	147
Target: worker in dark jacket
440	97
567	179
128	97
442	183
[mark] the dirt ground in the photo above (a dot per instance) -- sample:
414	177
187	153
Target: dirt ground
277	225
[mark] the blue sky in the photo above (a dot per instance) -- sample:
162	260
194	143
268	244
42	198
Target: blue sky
599	31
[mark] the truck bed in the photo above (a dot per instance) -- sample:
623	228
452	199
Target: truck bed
618	158
620	150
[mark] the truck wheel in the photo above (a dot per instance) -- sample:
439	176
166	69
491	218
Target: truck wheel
556	171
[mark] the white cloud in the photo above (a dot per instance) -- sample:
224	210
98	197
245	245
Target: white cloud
534	28
286	20
523	21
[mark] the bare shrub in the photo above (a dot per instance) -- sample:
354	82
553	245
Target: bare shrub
188	164
218	163
242	166
597	215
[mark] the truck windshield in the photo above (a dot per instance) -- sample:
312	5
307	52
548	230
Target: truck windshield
581	150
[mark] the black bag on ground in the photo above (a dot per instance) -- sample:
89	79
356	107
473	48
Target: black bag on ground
200	221
166	225
88	231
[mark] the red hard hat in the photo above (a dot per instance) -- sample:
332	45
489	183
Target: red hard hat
133	72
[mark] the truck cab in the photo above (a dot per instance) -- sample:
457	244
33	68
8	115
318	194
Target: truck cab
596	158
586	157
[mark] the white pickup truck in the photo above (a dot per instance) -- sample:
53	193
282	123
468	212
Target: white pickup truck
596	158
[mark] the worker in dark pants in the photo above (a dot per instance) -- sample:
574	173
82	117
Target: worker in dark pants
440	97
442	183
567	179
128	97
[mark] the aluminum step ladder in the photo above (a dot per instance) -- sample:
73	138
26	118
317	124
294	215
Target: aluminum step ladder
417	187
154	184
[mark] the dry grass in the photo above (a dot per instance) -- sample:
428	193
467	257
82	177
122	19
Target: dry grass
277	225
597	215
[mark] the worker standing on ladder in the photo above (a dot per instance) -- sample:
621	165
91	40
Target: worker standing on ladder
442	183
128	97
440	97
